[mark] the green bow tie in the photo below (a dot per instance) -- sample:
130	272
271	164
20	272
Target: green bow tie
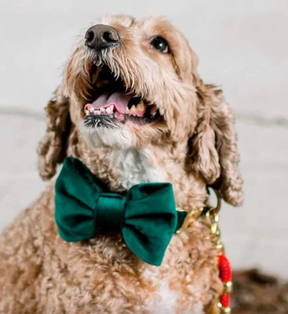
145	215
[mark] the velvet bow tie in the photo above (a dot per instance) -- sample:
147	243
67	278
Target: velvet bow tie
145	215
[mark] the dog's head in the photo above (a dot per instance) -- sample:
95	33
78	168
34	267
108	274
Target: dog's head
133	82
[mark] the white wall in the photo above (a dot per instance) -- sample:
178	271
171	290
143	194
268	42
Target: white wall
242	46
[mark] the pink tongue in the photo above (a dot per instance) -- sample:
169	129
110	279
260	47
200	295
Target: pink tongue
119	99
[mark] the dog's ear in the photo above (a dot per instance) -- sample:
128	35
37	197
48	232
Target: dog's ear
213	147
53	146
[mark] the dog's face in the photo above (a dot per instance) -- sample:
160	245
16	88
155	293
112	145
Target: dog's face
134	81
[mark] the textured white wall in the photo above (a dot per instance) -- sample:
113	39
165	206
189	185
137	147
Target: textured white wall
242	46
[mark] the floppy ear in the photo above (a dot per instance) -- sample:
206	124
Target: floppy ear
213	147
52	148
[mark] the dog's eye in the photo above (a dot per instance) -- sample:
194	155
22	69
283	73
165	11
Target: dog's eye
160	44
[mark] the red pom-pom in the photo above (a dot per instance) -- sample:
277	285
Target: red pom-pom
225	300
225	271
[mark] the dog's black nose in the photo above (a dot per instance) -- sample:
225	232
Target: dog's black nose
101	36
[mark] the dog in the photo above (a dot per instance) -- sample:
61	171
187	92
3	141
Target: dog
164	125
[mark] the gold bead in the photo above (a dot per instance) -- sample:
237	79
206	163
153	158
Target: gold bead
228	287
219	246
214	227
225	310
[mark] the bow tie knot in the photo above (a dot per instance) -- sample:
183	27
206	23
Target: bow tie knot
111	216
145	215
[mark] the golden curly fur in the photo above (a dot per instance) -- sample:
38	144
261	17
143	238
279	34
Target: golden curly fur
191	145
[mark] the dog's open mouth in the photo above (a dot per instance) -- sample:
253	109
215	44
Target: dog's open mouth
111	100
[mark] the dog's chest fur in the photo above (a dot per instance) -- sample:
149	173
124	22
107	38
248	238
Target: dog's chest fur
137	166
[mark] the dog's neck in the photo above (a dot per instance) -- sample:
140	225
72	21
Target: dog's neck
123	168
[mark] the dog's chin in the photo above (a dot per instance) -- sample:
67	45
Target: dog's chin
102	131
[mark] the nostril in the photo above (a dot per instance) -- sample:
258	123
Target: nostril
89	36
110	36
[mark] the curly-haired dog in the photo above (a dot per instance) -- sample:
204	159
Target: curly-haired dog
164	125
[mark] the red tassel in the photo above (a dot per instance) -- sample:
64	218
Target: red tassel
225	300
225	271
225	274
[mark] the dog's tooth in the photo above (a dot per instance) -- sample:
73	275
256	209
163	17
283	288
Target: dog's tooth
93	77
109	110
102	109
141	106
153	115
97	112
133	108
91	109
87	112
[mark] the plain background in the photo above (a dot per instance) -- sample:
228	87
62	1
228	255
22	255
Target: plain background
242	46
